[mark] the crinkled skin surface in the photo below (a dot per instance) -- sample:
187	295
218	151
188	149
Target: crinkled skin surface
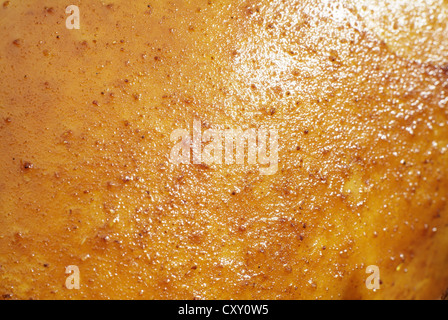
357	91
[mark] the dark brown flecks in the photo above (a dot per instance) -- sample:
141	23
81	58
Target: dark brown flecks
149	11
17	42
28	165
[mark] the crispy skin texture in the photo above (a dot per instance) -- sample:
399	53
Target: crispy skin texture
86	117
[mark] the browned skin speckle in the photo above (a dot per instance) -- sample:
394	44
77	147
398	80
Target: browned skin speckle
85	178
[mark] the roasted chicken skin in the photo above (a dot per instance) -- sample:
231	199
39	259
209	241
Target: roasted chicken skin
358	93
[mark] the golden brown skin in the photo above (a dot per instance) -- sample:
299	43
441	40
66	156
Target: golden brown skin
85	178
